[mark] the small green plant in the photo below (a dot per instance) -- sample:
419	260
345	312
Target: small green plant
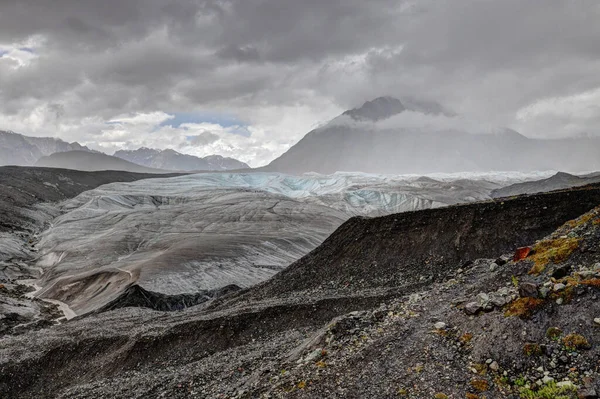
532	349
574	342
520	381
515	281
549	391
554	333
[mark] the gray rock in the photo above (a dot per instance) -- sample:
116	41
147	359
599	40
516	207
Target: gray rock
472	308
559	287
587	273
528	290
483	299
559	301
493	267
440	325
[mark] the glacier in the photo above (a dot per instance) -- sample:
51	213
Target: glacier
206	231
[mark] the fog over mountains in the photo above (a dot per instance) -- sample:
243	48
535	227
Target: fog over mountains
386	135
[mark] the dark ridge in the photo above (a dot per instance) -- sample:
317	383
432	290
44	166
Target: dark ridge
136	296
559	181
405	248
23	187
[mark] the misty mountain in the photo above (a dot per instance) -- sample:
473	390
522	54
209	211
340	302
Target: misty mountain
387	135
17	149
92	161
172	160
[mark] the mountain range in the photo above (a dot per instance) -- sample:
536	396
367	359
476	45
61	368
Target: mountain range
387	135
17	149
172	160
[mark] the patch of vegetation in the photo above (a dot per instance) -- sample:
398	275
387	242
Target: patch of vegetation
596	222
481	368
554	333
555	250
532	349
440	395
593	282
575	341
549	391
472	396
523	307
480	385
520	382
465	338
515	281
579	221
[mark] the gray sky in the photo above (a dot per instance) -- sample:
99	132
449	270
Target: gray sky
248	78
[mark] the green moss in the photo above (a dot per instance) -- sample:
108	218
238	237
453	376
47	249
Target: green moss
480	385
574	342
554	333
532	349
549	391
523	307
520	382
555	250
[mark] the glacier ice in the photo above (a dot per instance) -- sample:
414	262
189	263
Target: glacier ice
206	231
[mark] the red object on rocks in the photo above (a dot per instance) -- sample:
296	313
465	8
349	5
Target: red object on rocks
521	253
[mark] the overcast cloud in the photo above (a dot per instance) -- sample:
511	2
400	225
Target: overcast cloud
115	74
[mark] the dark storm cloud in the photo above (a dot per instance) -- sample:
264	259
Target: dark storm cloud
488	58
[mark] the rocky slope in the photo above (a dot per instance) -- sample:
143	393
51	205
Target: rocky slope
436	336
16	149
172	160
387	135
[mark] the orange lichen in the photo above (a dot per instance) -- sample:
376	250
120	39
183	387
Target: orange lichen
594	282
521	253
523	307
555	250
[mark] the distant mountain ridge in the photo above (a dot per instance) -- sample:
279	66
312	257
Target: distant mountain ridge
92	162
172	160
20	150
387	135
